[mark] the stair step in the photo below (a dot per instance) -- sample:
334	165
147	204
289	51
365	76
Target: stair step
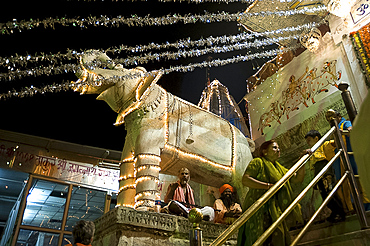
356	238
327	233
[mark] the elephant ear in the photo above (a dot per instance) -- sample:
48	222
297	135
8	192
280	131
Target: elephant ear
149	79
142	90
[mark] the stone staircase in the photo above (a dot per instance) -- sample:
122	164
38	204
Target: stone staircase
346	233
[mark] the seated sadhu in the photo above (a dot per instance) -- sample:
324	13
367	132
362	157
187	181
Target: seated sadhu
180	197
227	210
181	190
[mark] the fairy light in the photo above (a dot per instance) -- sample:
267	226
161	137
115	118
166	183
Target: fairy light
196	157
165	120
129	176
146	178
145	193
149	156
129	159
148	166
124	205
148	202
139	102
126	187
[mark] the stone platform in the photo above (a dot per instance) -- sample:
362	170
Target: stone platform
124	226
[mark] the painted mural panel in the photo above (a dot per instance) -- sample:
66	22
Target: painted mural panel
293	101
296	92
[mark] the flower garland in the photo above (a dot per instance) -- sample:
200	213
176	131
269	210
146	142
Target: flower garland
361	42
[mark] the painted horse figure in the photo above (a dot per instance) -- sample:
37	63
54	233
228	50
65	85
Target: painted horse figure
164	132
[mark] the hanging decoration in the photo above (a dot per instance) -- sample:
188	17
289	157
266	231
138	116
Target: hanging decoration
31	91
142	59
311	39
10	27
340	8
361	42
55	58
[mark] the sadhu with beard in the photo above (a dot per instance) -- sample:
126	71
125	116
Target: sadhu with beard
227	210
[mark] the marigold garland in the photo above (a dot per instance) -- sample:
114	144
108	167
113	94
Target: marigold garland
361	43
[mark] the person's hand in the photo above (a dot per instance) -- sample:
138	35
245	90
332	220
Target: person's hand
306	151
237	214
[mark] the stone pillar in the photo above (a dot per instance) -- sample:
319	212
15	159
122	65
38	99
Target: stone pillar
126	194
147	180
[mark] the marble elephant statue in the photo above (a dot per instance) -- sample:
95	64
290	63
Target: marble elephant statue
164	132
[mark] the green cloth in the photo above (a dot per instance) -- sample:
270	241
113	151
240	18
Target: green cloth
266	171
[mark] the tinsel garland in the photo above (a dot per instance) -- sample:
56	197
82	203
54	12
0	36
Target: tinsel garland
30	91
43	70
142	59
210	41
9	27
198	1
23	60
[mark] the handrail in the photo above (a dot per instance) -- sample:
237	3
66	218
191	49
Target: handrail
351	177
271	229
268	194
321	207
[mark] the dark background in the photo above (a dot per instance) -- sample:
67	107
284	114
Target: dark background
81	119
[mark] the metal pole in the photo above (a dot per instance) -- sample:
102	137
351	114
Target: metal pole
348	101
195	236
195	216
65	214
21	210
352	181
108	199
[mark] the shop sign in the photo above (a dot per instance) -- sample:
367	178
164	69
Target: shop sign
26	160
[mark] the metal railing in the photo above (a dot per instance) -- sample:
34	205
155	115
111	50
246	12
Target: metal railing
342	153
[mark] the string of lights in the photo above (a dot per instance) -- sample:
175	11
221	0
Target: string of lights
134	20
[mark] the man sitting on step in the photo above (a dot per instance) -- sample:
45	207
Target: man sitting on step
180	197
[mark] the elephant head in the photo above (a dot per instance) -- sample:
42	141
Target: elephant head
121	88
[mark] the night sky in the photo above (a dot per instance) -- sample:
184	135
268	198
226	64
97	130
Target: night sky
81	119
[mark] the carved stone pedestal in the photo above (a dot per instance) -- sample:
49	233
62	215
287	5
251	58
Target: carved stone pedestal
124	226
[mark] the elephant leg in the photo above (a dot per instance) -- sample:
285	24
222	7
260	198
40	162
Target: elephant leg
127	187
147	180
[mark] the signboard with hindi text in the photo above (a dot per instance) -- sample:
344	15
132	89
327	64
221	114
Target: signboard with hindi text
32	160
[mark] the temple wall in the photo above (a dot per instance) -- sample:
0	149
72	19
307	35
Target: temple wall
128	227
294	99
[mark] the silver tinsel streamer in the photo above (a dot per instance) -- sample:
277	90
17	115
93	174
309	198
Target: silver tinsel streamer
142	59
30	91
202	1
44	70
9	27
23	60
